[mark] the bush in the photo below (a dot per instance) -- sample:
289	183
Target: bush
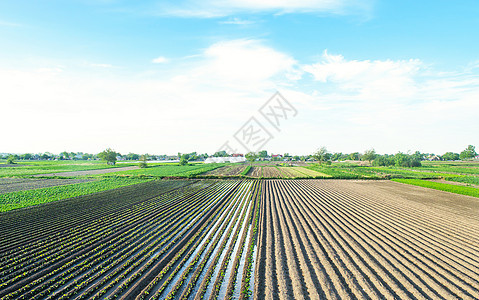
11	160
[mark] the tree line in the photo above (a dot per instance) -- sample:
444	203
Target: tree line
322	155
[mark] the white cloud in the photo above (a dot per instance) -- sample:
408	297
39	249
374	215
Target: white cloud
160	60
396	103
375	79
242	63
237	21
195	105
221	8
336	68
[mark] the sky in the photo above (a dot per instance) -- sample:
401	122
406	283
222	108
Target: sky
164	77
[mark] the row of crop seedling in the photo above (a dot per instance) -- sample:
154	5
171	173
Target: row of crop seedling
247	273
239	254
32	197
193	216
82	242
58	237
180	266
191	245
93	265
75	208
130	220
150	242
154	239
235	202
229	252
209	274
66	266
154	282
155	253
118	245
65	238
42	264
225	224
69	242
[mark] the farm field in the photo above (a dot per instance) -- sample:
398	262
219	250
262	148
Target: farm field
284	172
231	170
300	172
158	239
29	168
88	172
44	192
365	239
170	170
255	172
239	239
8	185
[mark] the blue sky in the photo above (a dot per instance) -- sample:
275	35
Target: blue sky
169	76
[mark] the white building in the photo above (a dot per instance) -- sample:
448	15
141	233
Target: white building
210	160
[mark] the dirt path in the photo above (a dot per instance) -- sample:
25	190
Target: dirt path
362	239
88	172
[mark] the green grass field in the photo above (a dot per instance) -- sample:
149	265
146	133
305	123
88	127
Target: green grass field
457	189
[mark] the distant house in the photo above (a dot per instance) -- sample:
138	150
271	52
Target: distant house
237	155
433	158
276	156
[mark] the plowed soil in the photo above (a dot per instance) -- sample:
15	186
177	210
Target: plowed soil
360	239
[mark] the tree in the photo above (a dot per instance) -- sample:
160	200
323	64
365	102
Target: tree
468	153
87	156
354	156
450	156
26	156
251	156
321	155
221	154
405	160
418	156
109	156
263	154
10	159
143	160
384	160
64	155
369	155
184	160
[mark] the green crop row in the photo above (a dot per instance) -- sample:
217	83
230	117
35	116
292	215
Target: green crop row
336	173
464	179
20	199
170	171
457	189
245	171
